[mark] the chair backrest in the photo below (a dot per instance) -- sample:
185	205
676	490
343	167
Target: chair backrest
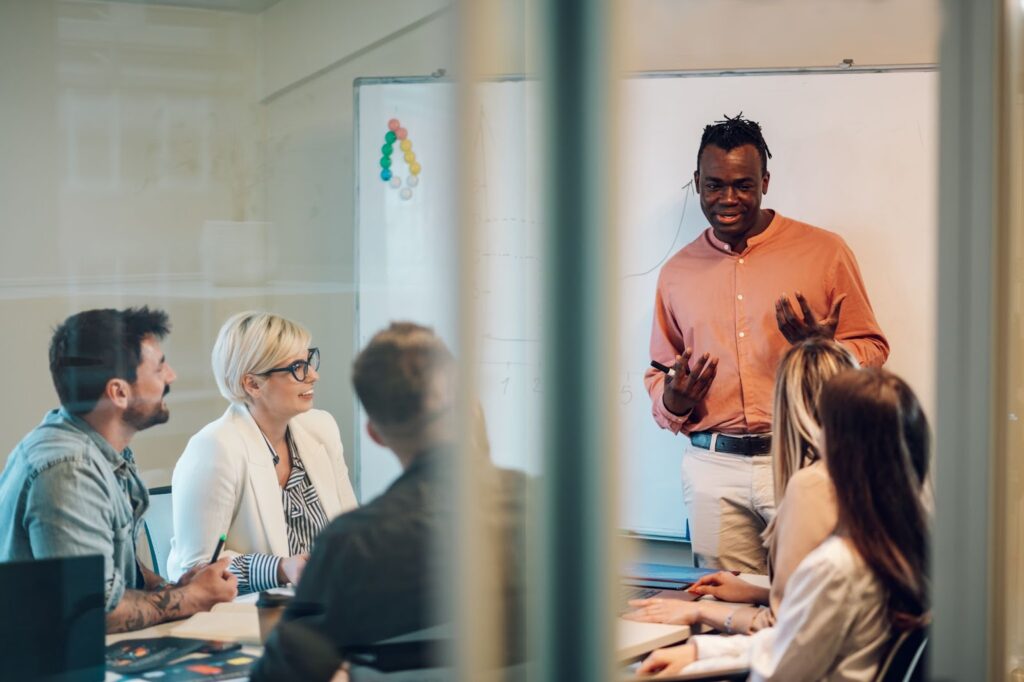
159	525
905	660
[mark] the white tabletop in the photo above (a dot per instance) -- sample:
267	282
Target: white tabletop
633	639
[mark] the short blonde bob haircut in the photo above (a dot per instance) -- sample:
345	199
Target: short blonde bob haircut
251	343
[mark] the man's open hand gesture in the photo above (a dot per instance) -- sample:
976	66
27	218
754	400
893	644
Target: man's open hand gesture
685	387
796	329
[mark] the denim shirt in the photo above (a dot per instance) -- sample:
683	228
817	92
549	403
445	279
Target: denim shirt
65	491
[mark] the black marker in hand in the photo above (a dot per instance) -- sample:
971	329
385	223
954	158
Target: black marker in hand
220	546
663	368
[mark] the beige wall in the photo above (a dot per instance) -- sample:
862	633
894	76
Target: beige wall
178	116
726	34
125	128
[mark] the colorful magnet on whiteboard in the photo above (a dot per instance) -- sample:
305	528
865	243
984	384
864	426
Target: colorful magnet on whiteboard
397	132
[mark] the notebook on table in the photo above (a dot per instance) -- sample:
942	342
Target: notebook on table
229	622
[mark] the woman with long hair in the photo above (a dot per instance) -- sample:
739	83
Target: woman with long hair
867	580
803	492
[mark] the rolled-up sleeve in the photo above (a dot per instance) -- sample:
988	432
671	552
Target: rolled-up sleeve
666	343
858	329
58	529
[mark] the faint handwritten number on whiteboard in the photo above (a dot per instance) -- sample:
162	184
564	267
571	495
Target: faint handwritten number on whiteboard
504	383
537	388
626	392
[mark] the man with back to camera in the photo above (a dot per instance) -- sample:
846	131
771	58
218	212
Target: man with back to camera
375	571
71	488
728	301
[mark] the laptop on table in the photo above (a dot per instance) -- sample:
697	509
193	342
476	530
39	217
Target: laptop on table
643	580
52	619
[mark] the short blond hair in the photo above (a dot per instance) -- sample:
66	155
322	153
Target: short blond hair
252	343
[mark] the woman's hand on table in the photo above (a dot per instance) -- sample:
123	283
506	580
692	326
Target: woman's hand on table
672	611
669	661
727	586
290	570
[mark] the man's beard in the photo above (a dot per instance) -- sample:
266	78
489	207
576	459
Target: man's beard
140	420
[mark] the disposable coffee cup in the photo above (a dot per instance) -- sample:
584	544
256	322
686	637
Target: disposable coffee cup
270	606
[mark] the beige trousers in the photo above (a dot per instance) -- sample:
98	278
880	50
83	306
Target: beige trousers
730	500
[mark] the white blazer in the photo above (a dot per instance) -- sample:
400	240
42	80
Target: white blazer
225	482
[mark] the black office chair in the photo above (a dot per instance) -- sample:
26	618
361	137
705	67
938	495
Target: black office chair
905	661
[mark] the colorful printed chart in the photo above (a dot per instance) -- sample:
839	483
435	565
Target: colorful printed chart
397	134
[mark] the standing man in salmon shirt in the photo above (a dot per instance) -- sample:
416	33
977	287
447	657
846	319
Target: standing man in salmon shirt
728	306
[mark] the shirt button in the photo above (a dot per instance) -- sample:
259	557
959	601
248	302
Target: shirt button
742	335
741	261
739	297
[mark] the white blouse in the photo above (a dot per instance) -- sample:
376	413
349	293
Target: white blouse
832	625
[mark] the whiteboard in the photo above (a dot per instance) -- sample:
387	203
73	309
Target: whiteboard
854	152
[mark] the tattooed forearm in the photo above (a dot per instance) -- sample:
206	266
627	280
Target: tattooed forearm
151	580
139	609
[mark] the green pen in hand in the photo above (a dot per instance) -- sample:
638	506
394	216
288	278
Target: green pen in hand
220	546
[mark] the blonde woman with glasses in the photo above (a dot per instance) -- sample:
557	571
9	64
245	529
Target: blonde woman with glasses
804	497
269	473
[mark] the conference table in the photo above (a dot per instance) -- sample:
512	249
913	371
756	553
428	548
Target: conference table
634	639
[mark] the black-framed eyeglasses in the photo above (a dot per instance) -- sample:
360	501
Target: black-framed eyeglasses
299	368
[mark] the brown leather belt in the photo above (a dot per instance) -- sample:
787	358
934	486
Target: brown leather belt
748	446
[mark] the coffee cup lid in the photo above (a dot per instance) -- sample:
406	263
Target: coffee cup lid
271	599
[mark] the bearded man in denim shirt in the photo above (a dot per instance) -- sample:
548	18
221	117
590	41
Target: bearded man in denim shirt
71	488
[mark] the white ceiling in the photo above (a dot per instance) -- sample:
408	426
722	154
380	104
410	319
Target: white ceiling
247	6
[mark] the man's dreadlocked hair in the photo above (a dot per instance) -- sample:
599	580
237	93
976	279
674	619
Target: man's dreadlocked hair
735	132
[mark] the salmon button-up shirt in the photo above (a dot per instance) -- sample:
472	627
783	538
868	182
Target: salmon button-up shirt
716	301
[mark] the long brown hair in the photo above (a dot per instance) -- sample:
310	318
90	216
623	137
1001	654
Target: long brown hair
795	425
876	443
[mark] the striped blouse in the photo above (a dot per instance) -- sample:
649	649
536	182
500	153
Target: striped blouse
305	518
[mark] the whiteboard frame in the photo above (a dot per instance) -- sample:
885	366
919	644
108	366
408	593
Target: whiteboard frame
357	83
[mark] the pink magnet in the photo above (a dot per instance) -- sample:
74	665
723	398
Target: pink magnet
401	133
393	124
